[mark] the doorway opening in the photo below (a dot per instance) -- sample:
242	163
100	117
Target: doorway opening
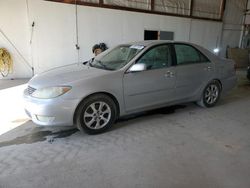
151	35
158	35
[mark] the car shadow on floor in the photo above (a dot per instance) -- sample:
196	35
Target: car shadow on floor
165	110
124	121
39	136
50	134
239	93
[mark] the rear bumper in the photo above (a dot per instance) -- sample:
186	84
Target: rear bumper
228	84
56	112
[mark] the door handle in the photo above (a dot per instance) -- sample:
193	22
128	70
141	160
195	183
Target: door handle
169	74
208	68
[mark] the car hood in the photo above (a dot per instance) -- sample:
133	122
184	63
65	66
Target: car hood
65	75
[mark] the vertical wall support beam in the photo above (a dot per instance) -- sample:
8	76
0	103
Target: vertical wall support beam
152	5
222	9
101	2
191	7
244	26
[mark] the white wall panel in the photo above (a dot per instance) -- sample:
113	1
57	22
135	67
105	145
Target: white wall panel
55	31
54	34
14	24
114	27
180	27
98	25
206	34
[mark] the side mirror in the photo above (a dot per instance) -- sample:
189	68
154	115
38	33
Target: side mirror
138	67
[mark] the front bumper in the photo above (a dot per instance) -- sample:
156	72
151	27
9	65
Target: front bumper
50	112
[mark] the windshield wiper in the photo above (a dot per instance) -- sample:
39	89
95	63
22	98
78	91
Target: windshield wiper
89	62
104	66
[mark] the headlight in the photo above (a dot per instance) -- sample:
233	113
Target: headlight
50	92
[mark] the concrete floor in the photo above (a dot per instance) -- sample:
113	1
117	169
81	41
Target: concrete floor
189	147
11	104
5	84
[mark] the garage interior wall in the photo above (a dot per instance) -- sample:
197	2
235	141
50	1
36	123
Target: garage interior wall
233	24
53	39
14	24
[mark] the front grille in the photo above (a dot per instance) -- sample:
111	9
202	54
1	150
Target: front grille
30	90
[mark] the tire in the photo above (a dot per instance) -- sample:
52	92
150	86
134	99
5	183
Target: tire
210	95
248	73
96	114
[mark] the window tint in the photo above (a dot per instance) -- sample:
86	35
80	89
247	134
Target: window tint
156	58
203	58
116	58
186	54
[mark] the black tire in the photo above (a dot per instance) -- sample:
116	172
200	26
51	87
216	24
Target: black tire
210	95
248	73
95	122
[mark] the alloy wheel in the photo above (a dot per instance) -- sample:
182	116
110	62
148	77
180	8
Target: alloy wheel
211	94
97	115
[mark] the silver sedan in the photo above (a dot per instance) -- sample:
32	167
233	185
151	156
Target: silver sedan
127	79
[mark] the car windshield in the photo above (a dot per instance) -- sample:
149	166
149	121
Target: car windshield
117	57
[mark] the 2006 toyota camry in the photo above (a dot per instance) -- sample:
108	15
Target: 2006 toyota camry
127	79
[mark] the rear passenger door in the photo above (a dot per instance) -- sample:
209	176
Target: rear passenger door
193	71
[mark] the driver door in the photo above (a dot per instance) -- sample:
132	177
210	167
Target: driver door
154	86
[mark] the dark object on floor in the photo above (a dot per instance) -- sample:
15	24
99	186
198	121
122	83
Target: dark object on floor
39	137
248	73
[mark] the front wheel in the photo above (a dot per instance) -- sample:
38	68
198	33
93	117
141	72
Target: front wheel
96	114
210	95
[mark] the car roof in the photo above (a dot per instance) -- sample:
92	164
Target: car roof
155	42
148	43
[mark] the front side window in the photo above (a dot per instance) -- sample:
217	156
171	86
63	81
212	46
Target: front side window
186	54
157	57
117	57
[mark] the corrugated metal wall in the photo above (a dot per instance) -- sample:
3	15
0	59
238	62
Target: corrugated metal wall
198	8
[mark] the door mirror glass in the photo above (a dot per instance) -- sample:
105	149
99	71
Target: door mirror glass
138	67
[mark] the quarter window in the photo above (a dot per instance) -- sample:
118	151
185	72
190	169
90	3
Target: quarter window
156	58
186	54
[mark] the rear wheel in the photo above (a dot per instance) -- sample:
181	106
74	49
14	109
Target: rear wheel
96	114
211	95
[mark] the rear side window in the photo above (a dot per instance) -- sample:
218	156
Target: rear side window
186	54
